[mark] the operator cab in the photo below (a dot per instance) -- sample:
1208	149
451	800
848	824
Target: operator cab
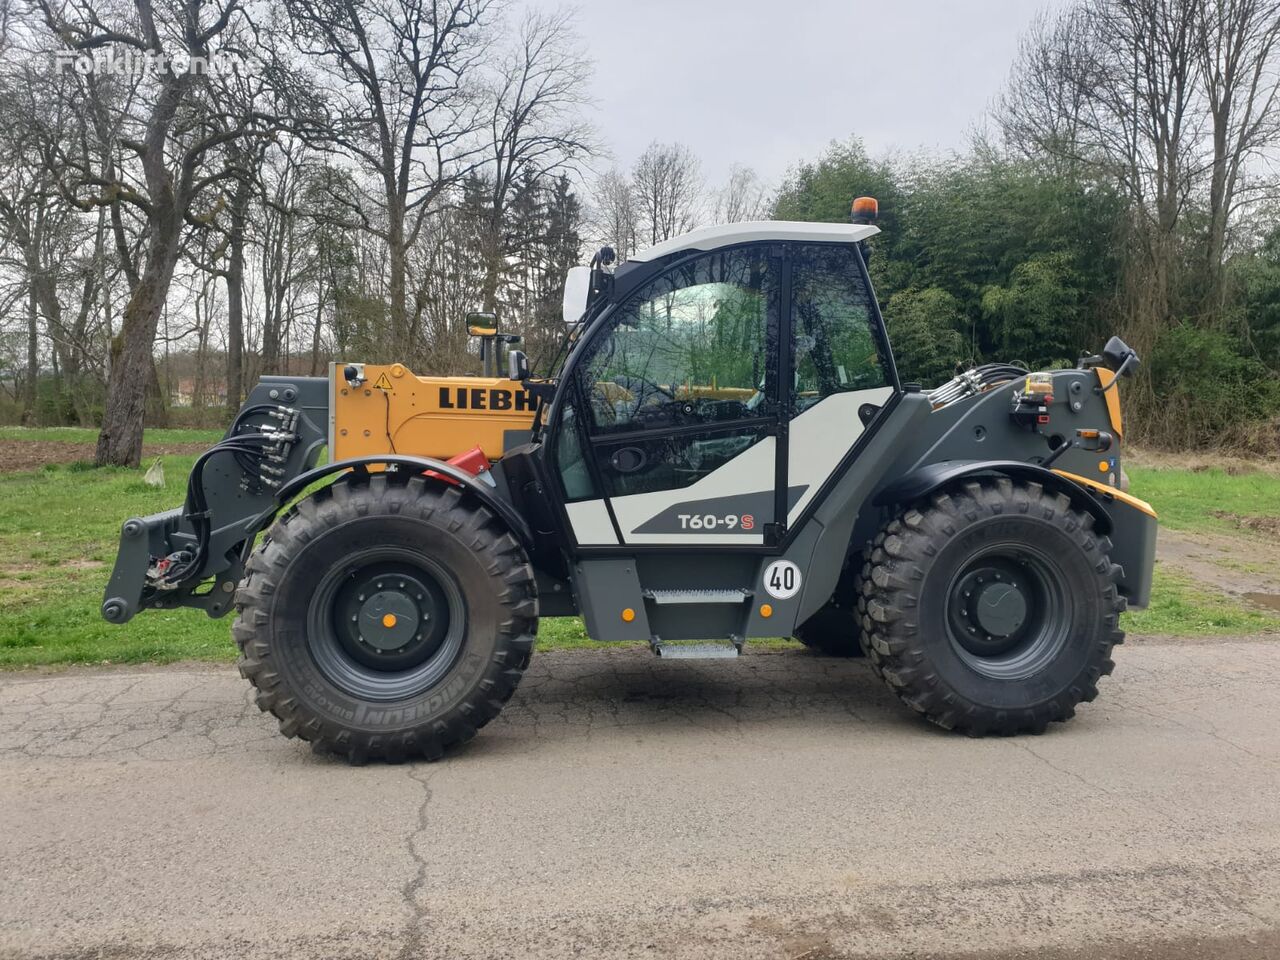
717	382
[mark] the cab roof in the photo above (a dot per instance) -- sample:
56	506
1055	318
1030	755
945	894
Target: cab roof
751	231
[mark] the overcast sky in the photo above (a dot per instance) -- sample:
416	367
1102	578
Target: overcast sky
768	82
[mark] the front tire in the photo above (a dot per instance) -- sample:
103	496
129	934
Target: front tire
992	609
386	619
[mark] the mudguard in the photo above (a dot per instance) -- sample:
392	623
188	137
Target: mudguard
925	480
446	473
1130	522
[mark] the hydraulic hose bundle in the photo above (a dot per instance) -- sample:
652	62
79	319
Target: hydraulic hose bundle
973	382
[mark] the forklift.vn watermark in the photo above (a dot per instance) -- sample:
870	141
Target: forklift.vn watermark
108	62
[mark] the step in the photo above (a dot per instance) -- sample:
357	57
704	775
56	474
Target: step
724	650
697	596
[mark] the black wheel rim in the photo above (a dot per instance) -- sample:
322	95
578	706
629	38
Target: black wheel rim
1007	612
387	624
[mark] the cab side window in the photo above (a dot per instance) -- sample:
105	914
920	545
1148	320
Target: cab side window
684	379
571	459
833	343
689	348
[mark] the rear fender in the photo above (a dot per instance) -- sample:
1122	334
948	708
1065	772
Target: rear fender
435	471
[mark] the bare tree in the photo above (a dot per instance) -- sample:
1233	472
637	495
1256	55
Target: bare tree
281	250
156	186
1239	60
1041	111
28	216
330	253
667	182
238	220
743	197
170	127
535	125
448	287
59	251
1131	120
616	213
400	109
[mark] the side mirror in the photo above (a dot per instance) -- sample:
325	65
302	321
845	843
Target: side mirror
577	290
482	324
1119	357
517	365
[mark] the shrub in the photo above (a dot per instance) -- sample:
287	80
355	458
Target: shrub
923	330
1205	392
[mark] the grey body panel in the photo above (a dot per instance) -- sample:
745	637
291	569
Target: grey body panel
980	428
787	613
604	588
1133	547
818	548
910	438
850	498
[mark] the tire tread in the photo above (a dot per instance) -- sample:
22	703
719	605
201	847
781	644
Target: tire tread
500	554
888	594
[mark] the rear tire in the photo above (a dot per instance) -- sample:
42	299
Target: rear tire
386	619
991	609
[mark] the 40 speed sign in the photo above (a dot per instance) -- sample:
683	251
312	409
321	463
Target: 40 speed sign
782	579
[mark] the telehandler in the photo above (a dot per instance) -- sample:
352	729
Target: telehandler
722	451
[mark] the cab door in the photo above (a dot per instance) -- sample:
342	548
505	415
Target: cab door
673	434
842	375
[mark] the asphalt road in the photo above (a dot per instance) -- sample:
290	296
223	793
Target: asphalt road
777	806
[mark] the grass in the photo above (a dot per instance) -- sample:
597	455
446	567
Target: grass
1195	499
59	527
1182	608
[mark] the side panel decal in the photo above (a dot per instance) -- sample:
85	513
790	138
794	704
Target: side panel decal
741	476
741	515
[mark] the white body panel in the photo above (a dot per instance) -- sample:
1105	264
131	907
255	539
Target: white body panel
751	231
819	439
819	442
749	472
591	523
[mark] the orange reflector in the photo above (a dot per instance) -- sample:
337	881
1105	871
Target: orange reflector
388	620
628	615
1103	466
766	610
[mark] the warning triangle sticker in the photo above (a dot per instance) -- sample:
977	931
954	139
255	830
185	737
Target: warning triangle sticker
383	383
